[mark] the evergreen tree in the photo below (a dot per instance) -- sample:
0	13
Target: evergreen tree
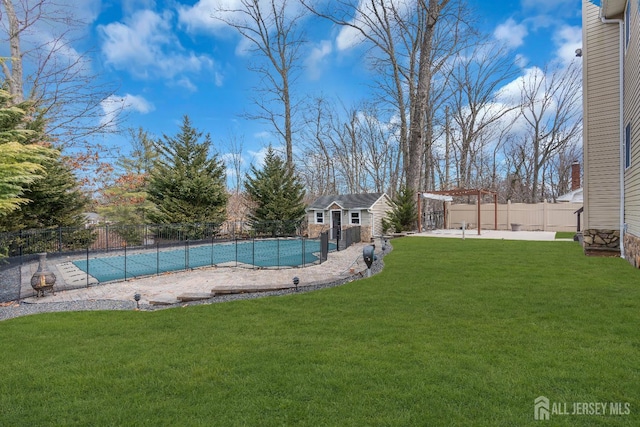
404	214
125	202
21	154
187	184
55	201
277	195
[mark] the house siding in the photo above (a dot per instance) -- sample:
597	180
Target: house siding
379	211
632	116
601	125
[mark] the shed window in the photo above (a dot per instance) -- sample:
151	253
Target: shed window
355	217
320	217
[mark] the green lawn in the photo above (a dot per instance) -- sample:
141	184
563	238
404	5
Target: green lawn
452	332
565	234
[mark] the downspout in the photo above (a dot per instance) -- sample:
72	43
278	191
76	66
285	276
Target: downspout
620	23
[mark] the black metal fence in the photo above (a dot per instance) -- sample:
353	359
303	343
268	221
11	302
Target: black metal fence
109	237
342	237
133	251
351	236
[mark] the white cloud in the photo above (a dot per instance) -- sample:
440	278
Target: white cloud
199	17
202	17
218	79
257	157
511	33
568	39
244	47
145	45
511	92
262	135
315	61
348	37
115	105
521	61
185	82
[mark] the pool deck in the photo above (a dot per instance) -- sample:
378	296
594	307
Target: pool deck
166	288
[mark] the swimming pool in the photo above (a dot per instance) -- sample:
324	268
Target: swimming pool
263	253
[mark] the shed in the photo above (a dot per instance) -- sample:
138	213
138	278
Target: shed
334	212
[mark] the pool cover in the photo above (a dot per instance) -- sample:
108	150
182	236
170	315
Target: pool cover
258	253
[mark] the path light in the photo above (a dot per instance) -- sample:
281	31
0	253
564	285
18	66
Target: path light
296	281
137	298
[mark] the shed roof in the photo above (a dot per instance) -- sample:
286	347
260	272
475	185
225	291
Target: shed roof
347	201
575	196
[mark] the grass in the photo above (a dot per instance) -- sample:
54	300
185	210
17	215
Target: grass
565	234
452	332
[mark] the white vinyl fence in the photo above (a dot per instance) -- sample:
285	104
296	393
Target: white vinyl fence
531	217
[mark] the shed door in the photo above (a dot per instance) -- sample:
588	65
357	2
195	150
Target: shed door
336	223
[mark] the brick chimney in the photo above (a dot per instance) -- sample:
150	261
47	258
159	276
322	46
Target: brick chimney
575	175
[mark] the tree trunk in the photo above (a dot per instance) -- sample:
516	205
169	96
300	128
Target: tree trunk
14	76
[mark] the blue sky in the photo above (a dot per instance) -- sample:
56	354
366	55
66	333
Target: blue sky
170	58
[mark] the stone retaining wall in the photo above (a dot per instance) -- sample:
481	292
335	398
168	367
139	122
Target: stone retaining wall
601	242
632	249
314	230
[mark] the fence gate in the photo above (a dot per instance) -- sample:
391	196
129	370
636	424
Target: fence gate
324	246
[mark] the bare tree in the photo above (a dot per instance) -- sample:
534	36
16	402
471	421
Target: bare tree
233	159
273	30
379	149
318	168
474	82
551	112
409	44
421	127
46	69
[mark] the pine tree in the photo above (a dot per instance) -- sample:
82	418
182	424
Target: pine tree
20	157
277	195
187	183
49	198
125	202
404	214
55	201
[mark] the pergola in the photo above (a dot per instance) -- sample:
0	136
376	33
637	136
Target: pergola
462	192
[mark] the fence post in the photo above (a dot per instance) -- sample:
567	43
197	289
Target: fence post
278	250
508	214
545	212
59	238
236	242
186	254
304	254
87	266
125	261
106	235
157	258
253	252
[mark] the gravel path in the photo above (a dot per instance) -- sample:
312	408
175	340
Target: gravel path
14	309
